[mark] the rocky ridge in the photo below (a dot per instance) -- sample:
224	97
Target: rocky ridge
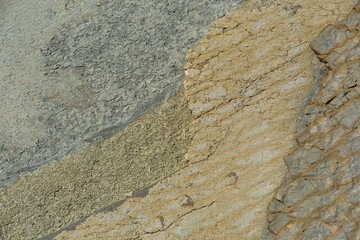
244	83
321	197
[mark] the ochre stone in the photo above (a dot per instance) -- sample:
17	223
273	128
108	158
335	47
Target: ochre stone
245	84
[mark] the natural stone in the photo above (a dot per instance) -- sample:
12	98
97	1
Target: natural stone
291	228
61	193
76	72
345	232
244	84
329	38
335	212
278	223
316	231
275	206
302	158
306	208
297	190
354	193
327	207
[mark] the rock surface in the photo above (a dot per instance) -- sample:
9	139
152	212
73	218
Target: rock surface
61	193
245	84
321	197
75	72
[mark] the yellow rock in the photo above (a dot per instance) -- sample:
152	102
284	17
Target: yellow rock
245	84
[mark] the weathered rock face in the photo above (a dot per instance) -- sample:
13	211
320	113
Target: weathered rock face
321	197
75	72
245	84
61	193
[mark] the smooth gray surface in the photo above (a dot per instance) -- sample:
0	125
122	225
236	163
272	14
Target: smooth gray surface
75	72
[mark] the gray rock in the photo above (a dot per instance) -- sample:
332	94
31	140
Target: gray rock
331	195
306	208
325	168
332	139
278	223
283	188
350	145
352	20
344	53
351	170
329	38
355	212
322	192
325	97
298	190
316	231
349	114
290	231
271	217
267	235
75	72
345	231
357	237
276	206
319	72
354	193
312	112
335	213
301	158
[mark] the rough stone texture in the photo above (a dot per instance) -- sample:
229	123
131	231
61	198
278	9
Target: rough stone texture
244	83
322	195
75	72
61	193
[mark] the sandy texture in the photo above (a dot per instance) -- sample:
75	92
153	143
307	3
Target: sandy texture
245	84
61	193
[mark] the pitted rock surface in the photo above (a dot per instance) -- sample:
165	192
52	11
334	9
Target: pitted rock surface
321	197
244	83
75	72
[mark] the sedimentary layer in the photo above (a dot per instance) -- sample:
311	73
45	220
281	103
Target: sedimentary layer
245	85
62	193
76	72
320	199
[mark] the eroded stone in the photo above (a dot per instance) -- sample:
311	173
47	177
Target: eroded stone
242	59
328	208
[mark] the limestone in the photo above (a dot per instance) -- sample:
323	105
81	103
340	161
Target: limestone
62	193
245	84
327	209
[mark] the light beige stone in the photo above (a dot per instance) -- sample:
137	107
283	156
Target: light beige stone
245	84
